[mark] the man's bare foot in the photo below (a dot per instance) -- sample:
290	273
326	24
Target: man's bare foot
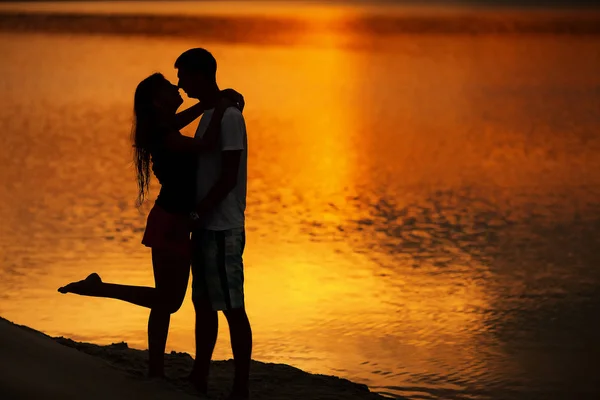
157	377
89	286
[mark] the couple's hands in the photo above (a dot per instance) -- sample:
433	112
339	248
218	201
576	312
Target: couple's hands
231	98
193	221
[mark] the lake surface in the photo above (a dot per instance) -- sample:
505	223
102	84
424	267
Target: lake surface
423	210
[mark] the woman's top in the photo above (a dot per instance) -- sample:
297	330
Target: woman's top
176	172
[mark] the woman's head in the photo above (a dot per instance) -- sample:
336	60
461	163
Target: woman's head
155	102
155	95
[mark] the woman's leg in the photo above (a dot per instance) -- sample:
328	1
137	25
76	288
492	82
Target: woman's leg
93	286
171	274
143	296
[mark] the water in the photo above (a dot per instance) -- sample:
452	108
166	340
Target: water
422	214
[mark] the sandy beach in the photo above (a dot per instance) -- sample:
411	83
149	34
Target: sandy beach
36	366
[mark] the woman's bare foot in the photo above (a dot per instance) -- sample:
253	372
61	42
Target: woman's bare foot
89	286
159	376
238	395
199	383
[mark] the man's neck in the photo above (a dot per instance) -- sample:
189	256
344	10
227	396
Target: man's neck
211	99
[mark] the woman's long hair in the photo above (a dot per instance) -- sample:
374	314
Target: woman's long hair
145	130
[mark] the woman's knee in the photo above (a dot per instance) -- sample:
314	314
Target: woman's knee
173	307
169	303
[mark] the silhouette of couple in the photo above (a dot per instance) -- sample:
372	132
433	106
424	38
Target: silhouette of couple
203	192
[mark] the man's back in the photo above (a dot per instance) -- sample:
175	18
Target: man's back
229	213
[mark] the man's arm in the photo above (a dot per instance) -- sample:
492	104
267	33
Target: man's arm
230	163
186	117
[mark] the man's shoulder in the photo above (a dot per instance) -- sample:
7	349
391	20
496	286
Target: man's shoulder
233	114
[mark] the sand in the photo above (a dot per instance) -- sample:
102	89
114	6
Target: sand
34	365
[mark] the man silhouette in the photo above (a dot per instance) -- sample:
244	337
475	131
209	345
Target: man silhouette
218	238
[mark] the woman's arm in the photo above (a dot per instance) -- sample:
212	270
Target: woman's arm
175	141
186	117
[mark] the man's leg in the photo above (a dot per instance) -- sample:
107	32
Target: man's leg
207	321
232	277
241	345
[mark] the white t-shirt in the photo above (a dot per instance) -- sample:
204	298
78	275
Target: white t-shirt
229	214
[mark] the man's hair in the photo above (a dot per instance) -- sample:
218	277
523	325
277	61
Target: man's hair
198	60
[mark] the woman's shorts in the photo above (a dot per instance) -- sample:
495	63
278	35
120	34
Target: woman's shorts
167	231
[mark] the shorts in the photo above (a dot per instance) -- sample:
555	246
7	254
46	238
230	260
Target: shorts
217	267
167	231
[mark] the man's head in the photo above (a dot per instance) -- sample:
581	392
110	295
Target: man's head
197	72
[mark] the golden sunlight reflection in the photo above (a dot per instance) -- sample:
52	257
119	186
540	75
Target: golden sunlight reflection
326	128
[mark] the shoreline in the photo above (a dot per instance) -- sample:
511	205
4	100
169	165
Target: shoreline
68	369
290	28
